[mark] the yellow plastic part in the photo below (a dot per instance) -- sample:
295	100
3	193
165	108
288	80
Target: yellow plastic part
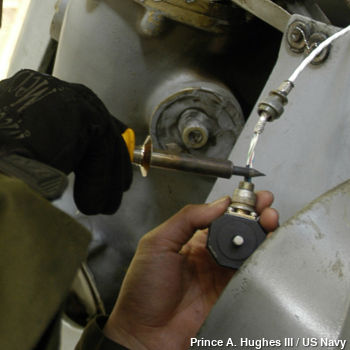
129	139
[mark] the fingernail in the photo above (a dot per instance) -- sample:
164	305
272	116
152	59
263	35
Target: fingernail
223	200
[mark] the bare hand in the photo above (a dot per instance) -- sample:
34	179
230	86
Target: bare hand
173	282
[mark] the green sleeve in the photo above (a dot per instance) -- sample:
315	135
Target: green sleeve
94	339
41	249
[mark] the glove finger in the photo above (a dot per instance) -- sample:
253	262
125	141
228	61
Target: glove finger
118	125
103	175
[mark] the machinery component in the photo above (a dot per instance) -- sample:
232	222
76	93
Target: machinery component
202	14
57	20
317	48
272	107
266	10
295	286
314	41
298	34
303	37
193	126
297	282
204	120
234	236
317	51
307	8
269	109
146	157
83	303
152	23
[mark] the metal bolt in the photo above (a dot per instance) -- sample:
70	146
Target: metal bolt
193	126
195	137
238	240
296	35
314	41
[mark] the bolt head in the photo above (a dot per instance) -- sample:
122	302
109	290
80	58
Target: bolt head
296	35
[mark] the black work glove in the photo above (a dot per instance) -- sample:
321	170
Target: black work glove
66	126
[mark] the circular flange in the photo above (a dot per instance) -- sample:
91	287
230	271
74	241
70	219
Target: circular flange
199	120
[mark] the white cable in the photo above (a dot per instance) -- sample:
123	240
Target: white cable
251	151
259	127
316	51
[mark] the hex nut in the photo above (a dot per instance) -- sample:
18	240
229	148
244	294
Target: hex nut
316	39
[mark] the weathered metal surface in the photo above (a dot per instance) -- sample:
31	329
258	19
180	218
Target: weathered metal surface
102	47
203	14
297	283
308	8
219	117
57	20
34	37
303	153
266	10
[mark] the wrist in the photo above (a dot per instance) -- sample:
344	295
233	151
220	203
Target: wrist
121	336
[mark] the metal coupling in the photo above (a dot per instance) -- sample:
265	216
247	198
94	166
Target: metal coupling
272	106
194	127
233	237
244	200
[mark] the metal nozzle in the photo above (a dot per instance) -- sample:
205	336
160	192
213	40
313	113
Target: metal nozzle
146	157
246	172
244	197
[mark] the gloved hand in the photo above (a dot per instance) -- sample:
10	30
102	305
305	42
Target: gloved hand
66	126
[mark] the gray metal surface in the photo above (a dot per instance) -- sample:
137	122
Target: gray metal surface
57	20
305	152
101	47
34	37
297	283
266	10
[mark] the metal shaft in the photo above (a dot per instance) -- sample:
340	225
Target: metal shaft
146	158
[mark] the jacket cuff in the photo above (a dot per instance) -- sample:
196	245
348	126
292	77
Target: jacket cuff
94	339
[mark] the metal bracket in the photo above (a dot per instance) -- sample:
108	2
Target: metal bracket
267	11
